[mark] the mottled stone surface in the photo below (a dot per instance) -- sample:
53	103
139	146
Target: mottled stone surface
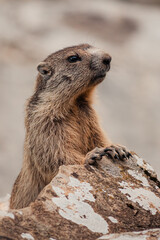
87	202
128	99
152	234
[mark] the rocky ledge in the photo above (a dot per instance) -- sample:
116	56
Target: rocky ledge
114	200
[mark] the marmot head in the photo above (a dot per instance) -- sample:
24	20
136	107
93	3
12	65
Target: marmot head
71	71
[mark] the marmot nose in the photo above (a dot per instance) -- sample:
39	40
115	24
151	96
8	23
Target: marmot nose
106	60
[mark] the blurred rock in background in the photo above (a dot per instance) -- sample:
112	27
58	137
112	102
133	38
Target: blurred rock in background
143	1
128	100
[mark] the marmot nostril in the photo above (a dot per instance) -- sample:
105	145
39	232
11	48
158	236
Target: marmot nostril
106	61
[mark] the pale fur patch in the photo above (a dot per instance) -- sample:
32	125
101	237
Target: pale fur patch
95	51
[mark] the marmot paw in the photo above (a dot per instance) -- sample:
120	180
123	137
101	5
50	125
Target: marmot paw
115	152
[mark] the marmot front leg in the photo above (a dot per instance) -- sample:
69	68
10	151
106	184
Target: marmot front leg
115	152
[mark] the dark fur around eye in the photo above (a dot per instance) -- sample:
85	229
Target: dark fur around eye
74	58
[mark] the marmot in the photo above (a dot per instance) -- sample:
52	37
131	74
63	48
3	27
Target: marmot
61	125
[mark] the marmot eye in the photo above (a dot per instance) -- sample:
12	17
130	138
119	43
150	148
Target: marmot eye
74	58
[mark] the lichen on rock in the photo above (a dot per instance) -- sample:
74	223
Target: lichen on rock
88	202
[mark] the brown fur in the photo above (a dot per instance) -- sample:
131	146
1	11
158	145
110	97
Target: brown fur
61	125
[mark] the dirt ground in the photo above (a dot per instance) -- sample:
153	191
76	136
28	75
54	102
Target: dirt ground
128	101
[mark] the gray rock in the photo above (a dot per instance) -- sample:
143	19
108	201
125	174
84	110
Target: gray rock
87	202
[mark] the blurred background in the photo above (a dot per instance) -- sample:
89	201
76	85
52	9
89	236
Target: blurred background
128	101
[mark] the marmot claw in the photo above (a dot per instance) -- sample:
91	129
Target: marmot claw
114	152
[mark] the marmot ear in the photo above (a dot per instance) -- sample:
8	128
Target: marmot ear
44	69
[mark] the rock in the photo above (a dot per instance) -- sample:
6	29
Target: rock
144	1
117	30
128	99
153	234
88	202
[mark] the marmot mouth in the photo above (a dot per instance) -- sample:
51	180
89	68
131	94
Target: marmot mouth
98	78
102	75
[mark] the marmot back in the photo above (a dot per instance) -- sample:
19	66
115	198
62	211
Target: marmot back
61	125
